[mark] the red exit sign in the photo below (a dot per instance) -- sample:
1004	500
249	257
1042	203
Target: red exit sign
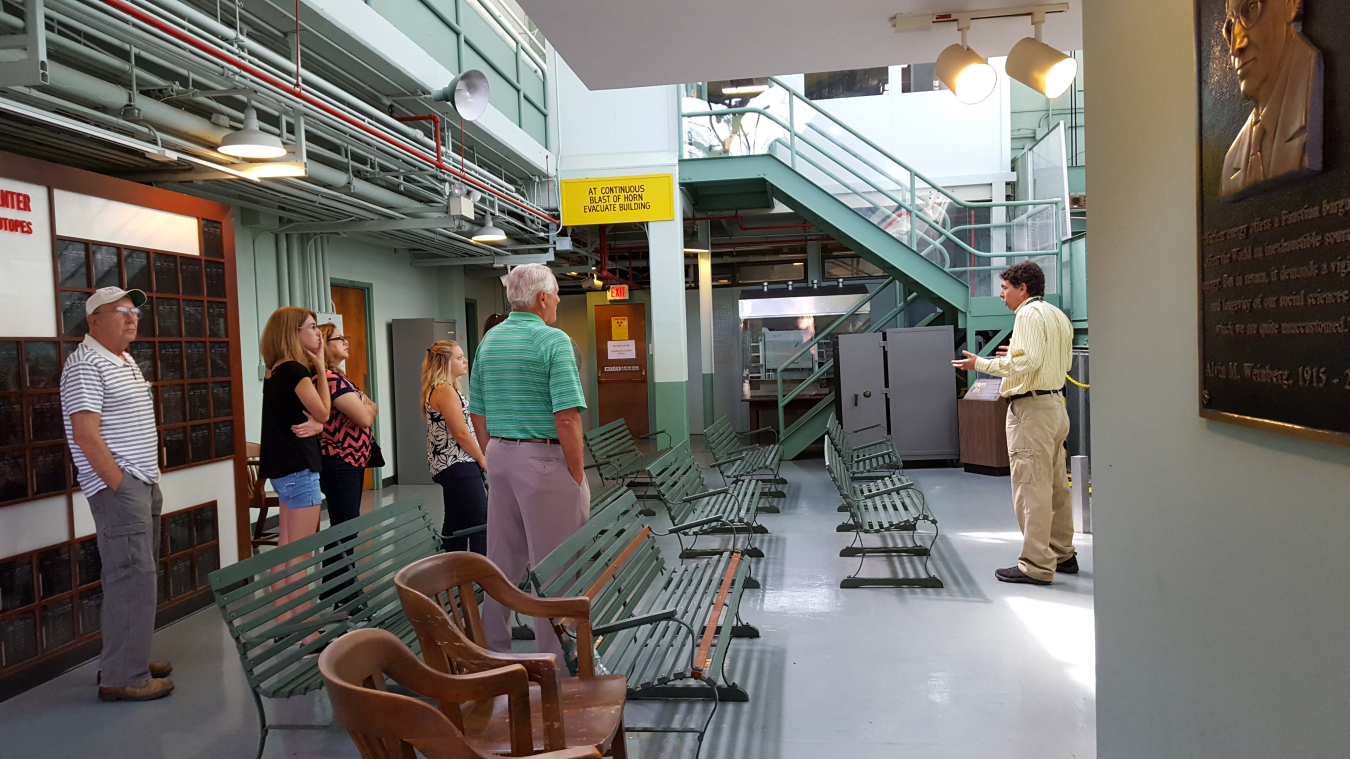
16	201
617	292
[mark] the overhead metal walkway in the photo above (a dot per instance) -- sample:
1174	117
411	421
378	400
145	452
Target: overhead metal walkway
781	147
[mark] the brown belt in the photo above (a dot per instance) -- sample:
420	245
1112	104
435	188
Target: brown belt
544	440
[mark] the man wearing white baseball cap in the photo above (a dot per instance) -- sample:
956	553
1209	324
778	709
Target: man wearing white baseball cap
110	425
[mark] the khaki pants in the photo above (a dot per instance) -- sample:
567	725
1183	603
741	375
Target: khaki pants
533	506
1037	427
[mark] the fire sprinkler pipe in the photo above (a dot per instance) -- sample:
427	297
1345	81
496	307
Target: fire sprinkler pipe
436	119
290	89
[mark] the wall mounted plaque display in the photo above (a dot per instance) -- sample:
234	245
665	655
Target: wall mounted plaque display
16	584
49	469
11	420
91	607
170	361
166	318
215	279
43	364
146	327
199	441
195	353
224	439
54	576
222	403
72	266
194	318
213	239
18	639
1274	215
171	408
144	356
137	263
175	447
107	267
204	525
207	561
180	576
74	323
88	562
13	475
220	359
217	319
198	402
178	532
190	271
44	417
166	273
9	367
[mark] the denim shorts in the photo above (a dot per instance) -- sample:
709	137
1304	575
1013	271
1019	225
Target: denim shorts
299	490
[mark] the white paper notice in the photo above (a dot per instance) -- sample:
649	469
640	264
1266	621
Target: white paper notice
622	349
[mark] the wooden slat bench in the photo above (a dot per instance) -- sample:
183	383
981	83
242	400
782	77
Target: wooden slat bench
614	560
678	479
890	505
366	551
737	462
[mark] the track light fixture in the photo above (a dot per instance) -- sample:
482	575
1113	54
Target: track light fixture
965	72
252	142
1039	66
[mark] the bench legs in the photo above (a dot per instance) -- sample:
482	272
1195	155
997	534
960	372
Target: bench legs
264	728
729	692
859	548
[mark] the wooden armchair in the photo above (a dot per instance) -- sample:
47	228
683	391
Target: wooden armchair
438	599
259	499
386	725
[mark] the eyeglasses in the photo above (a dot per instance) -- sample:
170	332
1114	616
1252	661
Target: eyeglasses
308	326
126	312
342	340
1248	13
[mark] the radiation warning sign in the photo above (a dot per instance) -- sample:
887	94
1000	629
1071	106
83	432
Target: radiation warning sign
617	200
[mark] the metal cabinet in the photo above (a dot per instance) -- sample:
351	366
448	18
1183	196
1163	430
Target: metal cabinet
410	340
861	397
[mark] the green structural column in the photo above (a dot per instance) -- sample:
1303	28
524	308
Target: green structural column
705	320
670	348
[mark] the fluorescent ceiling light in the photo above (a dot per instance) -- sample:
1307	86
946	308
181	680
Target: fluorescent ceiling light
696	250
968	75
488	233
1041	67
273	169
252	142
749	89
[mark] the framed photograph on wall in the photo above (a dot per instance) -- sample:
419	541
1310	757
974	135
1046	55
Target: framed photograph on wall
1274	214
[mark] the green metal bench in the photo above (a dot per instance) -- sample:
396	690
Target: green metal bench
617	459
890	505
736	461
678	479
678	621
366	551
865	459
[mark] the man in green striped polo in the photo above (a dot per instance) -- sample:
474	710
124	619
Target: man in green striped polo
525	401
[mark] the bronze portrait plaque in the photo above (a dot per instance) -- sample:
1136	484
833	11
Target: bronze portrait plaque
1274	214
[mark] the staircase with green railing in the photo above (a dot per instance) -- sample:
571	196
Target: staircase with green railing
782	147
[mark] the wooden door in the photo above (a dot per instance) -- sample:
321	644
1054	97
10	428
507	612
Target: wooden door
621	365
350	302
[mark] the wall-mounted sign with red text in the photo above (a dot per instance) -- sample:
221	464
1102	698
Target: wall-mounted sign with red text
16	201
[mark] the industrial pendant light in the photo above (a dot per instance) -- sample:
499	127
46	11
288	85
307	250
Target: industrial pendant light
252	142
1039	66
965	72
488	232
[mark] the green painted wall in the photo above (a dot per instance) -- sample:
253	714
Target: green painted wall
672	410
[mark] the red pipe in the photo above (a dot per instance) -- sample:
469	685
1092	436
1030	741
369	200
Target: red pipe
258	73
428	117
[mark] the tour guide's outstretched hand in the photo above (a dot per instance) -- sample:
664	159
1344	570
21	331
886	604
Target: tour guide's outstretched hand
966	364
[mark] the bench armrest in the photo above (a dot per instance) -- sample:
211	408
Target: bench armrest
763	429
692	525
731	460
889	490
631	622
864	429
709	494
467	531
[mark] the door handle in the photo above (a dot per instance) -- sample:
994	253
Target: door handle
855	399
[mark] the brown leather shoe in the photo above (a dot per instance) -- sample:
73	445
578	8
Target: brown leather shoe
149	690
157	669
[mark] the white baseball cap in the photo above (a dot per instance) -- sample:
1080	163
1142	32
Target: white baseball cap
107	295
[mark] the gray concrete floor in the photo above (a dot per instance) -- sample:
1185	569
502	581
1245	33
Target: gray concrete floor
977	669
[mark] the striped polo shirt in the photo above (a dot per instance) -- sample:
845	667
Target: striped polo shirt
524	372
95	379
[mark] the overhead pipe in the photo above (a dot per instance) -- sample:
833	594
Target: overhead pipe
287	88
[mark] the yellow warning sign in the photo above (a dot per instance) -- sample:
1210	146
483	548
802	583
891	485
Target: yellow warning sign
618	328
617	200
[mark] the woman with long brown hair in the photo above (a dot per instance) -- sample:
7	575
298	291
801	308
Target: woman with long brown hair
294	411
346	440
457	464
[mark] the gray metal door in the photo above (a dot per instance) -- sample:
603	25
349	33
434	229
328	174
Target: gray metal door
860	365
411	338
922	392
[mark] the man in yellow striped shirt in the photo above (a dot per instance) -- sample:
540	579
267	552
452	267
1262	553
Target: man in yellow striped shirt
1033	367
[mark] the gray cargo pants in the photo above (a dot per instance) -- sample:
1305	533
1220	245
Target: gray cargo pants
128	544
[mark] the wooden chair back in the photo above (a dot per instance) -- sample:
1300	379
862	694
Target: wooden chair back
386	725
